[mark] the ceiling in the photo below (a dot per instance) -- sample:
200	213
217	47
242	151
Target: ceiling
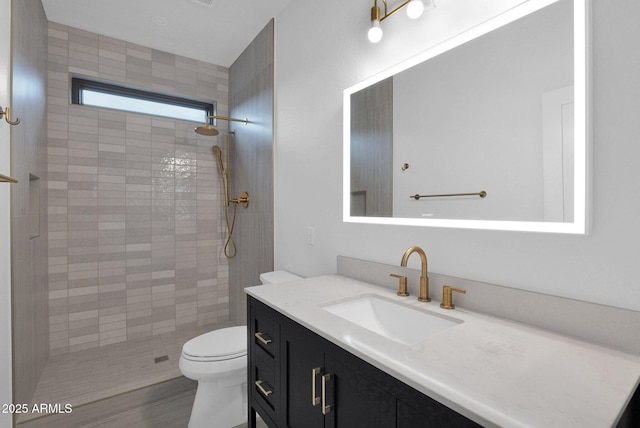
215	31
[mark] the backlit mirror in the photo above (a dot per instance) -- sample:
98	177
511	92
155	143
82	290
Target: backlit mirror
487	130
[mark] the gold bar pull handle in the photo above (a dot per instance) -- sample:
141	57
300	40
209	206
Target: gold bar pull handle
260	336
326	408
315	400
263	390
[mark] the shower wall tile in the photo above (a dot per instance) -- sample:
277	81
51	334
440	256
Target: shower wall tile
135	228
29	247
251	95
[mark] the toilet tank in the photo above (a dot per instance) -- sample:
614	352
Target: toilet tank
277	277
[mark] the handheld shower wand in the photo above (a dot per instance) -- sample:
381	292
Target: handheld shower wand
217	152
230	245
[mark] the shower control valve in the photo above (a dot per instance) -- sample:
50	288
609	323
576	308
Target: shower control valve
242	200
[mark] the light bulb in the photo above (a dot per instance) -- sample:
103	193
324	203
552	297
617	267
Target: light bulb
375	32
415	9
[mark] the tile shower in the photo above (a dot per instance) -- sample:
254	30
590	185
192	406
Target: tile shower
135	226
131	223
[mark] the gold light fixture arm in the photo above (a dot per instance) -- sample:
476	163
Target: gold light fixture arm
393	12
414	9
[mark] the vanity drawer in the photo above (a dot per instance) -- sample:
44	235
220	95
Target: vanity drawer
264	384
265	333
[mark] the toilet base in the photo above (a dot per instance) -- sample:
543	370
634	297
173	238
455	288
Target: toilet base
219	405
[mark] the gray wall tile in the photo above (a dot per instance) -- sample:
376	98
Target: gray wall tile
30	267
251	96
129	243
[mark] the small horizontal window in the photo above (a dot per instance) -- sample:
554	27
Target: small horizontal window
107	95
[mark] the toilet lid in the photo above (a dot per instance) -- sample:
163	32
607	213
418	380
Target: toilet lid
227	343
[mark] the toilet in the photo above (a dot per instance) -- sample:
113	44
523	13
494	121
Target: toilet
277	277
218	361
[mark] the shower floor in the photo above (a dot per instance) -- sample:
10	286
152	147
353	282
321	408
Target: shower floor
92	375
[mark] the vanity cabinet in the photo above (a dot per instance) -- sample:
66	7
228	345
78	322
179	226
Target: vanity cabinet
350	399
301	380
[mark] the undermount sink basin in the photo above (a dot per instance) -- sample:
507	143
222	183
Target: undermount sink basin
390	319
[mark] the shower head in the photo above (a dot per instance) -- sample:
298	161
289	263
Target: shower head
210	130
217	152
207	130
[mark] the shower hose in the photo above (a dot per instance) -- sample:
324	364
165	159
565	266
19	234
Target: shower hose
230	246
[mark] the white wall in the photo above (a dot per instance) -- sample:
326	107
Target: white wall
5	216
475	118
321	49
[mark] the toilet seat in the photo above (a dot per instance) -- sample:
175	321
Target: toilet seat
218	345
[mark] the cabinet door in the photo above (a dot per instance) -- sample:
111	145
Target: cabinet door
356	401
304	366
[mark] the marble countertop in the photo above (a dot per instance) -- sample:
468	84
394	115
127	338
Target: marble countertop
493	371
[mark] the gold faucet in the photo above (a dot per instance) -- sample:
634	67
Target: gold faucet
424	280
447	296
402	287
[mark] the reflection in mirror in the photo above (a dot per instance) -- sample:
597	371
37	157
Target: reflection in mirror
502	113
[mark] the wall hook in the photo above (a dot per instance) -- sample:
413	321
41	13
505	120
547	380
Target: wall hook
5	113
405	167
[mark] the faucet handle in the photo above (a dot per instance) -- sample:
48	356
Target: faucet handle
447	296
402	287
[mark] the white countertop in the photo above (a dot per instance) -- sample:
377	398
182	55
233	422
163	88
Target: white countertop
493	371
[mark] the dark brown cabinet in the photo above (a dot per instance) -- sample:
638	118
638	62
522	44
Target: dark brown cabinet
298	379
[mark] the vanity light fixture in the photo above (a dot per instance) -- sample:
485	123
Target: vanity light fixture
414	10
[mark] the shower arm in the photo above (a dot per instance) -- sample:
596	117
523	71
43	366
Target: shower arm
230	119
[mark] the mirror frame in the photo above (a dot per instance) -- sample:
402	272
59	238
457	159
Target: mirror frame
582	133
